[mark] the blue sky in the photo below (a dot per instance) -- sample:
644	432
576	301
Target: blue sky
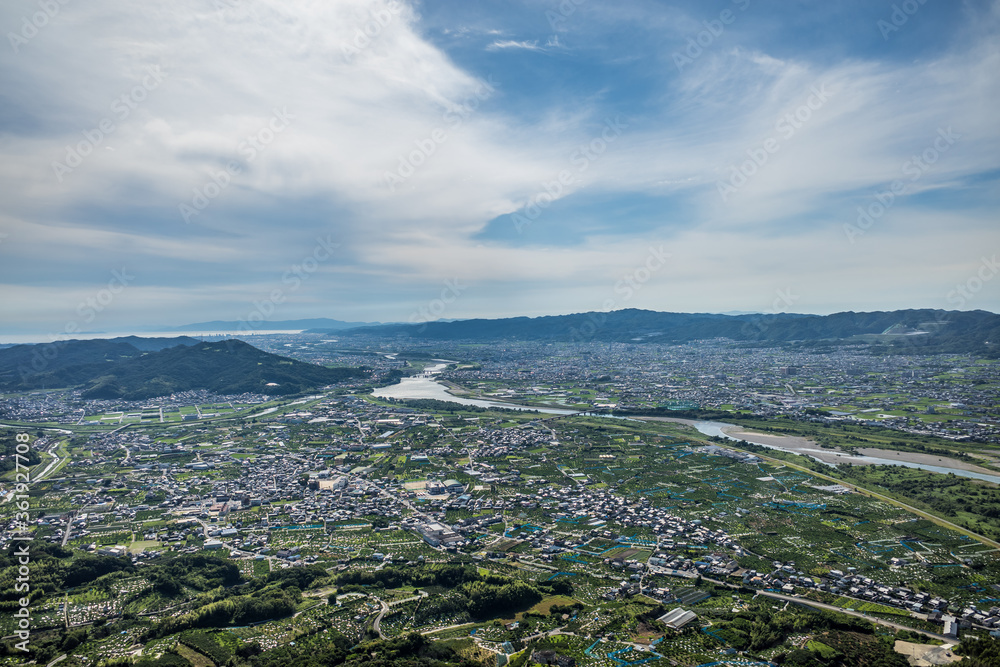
354	159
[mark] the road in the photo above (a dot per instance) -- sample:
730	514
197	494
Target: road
318	604
52	465
572	479
873	619
377	626
403	501
892	501
839	610
69	527
205	526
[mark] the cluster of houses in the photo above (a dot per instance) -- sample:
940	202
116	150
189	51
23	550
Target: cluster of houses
768	381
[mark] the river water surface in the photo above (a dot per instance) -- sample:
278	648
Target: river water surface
425	385
720	429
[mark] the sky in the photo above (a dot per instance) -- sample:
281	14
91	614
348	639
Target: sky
389	160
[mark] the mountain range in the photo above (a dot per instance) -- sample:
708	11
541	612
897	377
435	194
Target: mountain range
923	330
324	323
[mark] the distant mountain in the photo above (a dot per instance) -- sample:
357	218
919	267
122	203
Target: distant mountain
114	369
155	344
924	330
315	323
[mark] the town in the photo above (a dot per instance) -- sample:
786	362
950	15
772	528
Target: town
630	516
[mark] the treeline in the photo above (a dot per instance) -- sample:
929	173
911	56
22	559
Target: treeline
497	595
8	462
198	571
331	649
328	648
846	640
980	652
760	628
236	610
443	575
482	595
274	596
53	568
205	645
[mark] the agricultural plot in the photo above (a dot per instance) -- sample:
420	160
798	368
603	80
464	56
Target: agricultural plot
610	521
116	645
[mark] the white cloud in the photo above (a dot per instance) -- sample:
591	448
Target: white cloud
501	44
369	92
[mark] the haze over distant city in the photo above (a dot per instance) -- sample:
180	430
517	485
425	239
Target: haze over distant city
394	161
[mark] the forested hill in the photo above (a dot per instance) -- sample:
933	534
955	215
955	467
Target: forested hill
918	330
227	367
69	363
117	369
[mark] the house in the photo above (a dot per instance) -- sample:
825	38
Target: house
950	627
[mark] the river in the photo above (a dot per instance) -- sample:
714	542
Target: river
425	385
822	454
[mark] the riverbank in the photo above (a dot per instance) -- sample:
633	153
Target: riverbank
426	385
835	456
862	456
